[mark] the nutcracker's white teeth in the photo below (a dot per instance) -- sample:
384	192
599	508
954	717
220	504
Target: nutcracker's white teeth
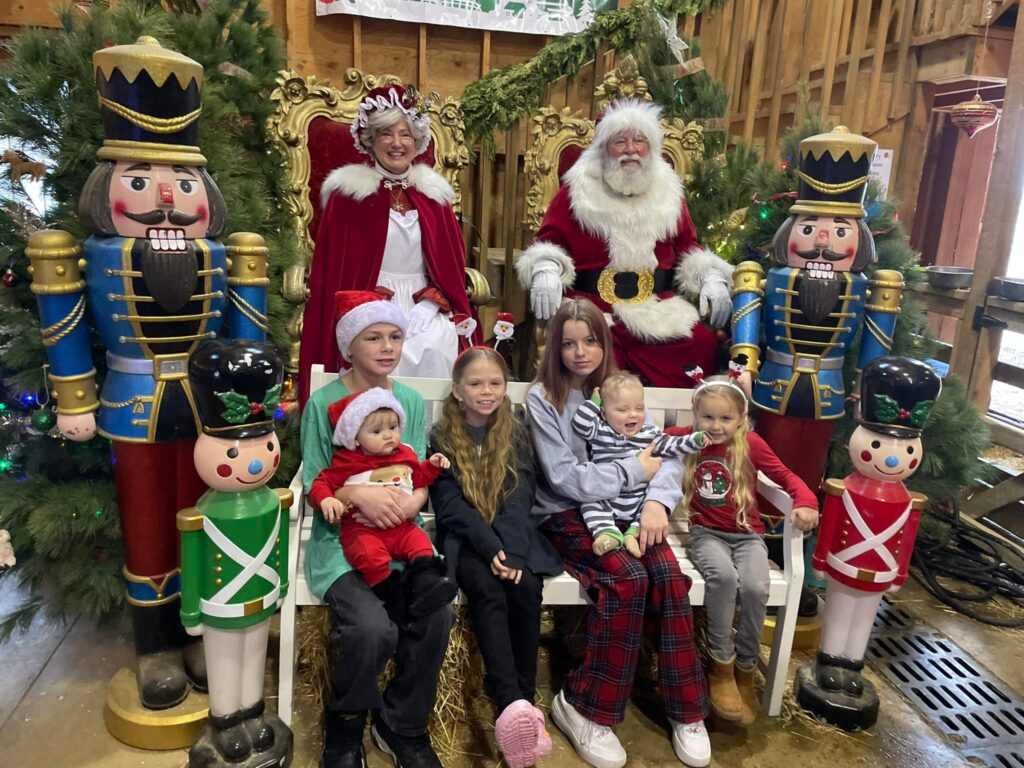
820	270
166	239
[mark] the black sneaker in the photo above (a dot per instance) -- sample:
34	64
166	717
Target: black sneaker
406	751
343	740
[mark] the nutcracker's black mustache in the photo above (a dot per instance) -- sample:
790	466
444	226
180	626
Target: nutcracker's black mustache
821	253
157	217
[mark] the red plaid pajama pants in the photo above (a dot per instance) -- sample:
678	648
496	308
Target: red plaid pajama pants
625	591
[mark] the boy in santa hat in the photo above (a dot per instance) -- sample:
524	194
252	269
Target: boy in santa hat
368	430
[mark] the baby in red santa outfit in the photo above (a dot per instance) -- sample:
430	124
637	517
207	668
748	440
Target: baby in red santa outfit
368	430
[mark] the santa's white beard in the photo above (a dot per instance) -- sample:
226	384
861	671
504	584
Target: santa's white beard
630	180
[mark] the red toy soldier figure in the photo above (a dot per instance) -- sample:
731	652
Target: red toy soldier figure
868	525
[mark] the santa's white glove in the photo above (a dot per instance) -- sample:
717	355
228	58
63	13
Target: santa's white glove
546	289
421	316
715	301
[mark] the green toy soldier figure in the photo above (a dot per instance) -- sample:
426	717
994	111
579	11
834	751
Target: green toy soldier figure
234	550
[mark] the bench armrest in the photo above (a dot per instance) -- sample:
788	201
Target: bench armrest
295	486
792	539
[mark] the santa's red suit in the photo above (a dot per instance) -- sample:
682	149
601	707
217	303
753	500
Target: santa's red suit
369	549
867	532
589	231
350	247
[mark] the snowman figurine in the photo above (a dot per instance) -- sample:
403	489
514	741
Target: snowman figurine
868	525
234	550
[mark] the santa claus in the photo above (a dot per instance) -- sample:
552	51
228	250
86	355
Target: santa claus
618	233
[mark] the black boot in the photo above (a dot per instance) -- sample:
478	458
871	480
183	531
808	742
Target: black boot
406	751
158	634
830	673
230	738
256	725
808	603
343	740
428	587
195	664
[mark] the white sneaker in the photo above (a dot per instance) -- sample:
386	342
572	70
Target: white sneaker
596	744
691	743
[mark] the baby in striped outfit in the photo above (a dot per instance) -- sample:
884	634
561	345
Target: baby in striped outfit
617	429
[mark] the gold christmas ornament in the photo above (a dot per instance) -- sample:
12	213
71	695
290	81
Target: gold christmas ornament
974	115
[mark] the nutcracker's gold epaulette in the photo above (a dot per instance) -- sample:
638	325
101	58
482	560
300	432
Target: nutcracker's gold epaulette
190	519
55	264
833	486
286	496
247	259
918	500
747	278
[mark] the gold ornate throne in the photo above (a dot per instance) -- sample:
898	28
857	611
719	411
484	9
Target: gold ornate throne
310	128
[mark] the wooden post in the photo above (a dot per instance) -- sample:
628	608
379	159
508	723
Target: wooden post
357	42
761	31
510	203
877	63
831	53
421	64
853	117
771	142
737	57
485	174
805	60
906	33
975	353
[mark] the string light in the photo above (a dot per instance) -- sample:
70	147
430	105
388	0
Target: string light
28	399
5	465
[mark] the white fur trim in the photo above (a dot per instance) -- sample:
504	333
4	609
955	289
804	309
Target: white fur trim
542	251
355	413
657	320
692	266
630	114
631	226
358	319
360	181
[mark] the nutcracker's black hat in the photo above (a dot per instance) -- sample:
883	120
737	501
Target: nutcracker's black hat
896	396
150	100
833	174
237	387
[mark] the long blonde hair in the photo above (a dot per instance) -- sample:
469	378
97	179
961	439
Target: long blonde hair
487	477
737	456
552	373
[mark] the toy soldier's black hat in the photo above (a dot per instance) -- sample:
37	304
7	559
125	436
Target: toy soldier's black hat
150	99
833	174
237	387
896	396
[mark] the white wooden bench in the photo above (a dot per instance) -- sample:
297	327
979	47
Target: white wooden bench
668	407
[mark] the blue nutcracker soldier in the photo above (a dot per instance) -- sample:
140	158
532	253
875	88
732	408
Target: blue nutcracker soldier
812	307
234	550
155	283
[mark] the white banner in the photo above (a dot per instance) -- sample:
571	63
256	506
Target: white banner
538	17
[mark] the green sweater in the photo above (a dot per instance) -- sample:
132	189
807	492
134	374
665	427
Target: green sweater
325	561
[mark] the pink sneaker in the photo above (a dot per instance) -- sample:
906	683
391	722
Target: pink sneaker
521	734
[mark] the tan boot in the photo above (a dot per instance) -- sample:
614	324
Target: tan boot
745	685
725	696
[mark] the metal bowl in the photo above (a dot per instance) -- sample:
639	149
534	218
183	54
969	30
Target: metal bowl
949	278
1010	288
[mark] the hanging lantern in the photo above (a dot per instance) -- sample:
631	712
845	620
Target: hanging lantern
974	115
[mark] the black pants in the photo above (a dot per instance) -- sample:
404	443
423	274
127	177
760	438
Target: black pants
364	637
506	622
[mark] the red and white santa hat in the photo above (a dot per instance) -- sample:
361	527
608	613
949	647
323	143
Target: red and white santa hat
348	414
644	117
358	310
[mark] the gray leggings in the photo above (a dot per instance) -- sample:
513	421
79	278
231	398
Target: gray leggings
734	566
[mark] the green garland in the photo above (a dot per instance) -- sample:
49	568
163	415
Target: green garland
504	96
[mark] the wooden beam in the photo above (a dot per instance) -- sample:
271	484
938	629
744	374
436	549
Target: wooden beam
998	496
510	205
831	54
761	31
804	79
852	116
906	34
357	42
689	26
771	141
421	64
976	352
844	34
874	112
737	53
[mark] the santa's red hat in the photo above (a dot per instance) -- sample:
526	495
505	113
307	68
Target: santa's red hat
358	310
348	414
505	317
644	117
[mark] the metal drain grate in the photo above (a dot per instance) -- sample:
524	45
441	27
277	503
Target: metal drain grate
892	617
962	699
997	757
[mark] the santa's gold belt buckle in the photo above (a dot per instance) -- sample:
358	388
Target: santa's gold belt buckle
606	286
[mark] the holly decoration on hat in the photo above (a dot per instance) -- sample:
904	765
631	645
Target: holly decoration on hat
240	408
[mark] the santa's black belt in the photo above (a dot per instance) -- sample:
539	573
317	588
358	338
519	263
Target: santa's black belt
623	287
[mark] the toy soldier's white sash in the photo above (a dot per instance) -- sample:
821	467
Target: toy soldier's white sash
873	542
218	605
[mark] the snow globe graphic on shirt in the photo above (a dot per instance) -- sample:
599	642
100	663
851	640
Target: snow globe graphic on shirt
713	482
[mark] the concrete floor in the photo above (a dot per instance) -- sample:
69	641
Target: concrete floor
54	678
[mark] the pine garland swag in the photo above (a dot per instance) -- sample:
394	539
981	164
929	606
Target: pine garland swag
57	500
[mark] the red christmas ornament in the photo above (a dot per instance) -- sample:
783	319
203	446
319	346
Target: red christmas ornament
9	277
974	115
